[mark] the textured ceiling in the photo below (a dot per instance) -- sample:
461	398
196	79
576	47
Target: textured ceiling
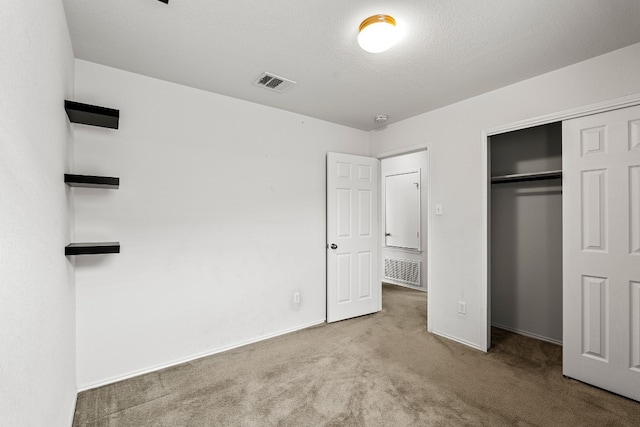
450	49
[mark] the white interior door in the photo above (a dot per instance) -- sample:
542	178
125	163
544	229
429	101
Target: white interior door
402	210
353	286
601	222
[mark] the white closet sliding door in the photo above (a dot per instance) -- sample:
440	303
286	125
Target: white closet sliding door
601	223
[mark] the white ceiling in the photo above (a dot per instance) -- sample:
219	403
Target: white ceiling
450	49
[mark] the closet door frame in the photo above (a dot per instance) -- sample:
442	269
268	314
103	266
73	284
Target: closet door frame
614	104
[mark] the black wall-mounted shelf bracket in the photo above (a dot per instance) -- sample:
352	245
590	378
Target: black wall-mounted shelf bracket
92	115
90	181
95	248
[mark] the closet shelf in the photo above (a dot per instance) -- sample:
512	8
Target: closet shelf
94	248
90	181
522	177
92	115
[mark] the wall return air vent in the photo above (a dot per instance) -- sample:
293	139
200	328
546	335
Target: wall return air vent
273	82
403	271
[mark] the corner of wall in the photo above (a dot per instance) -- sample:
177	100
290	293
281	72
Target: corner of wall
37	308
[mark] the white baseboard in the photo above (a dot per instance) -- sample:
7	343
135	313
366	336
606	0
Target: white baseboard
458	340
73	409
527	334
174	362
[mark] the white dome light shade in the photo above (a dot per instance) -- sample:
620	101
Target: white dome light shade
378	33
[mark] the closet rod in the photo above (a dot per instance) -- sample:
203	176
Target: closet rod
521	177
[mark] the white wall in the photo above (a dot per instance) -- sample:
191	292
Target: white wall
220	214
37	293
399	164
455	137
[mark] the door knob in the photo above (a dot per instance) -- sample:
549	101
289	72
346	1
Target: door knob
334	246
387	234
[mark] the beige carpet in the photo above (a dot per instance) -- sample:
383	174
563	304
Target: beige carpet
377	370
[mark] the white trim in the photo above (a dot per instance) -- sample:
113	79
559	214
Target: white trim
429	232
613	104
600	107
381	227
485	342
527	334
383	211
403	151
458	340
406	171
73	409
403	250
195	356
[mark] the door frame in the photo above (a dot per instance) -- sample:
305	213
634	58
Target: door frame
423	175
601	107
383	202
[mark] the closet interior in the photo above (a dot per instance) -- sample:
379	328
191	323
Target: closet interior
526	231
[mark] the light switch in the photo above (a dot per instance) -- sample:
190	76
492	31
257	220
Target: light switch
438	209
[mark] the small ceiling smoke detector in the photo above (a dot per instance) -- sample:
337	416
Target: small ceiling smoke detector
381	118
273	82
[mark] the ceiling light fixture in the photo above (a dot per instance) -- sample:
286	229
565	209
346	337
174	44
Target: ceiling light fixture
377	33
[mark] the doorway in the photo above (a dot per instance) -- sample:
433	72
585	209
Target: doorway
404	199
600	308
354	275
420	158
526	231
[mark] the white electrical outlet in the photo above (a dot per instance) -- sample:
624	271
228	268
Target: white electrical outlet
296	298
462	307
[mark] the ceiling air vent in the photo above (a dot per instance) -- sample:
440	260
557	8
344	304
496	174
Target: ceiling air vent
273	82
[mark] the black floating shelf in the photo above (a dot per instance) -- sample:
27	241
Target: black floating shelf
92	248
522	177
89	181
92	115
